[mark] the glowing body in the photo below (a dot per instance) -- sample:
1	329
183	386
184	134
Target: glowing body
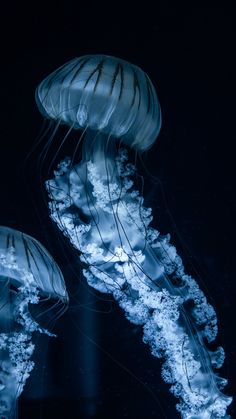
95	205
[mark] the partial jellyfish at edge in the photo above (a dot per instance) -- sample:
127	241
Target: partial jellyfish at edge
96	205
28	276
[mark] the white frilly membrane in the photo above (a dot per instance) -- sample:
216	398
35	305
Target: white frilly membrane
19	288
95	205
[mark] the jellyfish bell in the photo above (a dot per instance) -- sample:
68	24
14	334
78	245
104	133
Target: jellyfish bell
27	274
104	94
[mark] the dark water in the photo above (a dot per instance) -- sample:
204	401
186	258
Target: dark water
98	366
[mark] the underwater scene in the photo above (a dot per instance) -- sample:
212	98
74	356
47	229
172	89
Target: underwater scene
117	214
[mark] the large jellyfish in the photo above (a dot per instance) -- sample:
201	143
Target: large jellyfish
96	204
28	276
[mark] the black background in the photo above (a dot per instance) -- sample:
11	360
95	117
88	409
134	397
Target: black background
189	54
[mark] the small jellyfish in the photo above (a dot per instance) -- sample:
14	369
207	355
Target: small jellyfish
28	275
96	204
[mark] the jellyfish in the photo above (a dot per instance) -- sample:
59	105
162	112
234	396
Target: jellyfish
97	206
28	276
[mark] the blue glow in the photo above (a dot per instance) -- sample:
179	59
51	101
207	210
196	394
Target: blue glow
95	204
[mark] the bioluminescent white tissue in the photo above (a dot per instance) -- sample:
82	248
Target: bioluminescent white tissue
96	205
28	276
